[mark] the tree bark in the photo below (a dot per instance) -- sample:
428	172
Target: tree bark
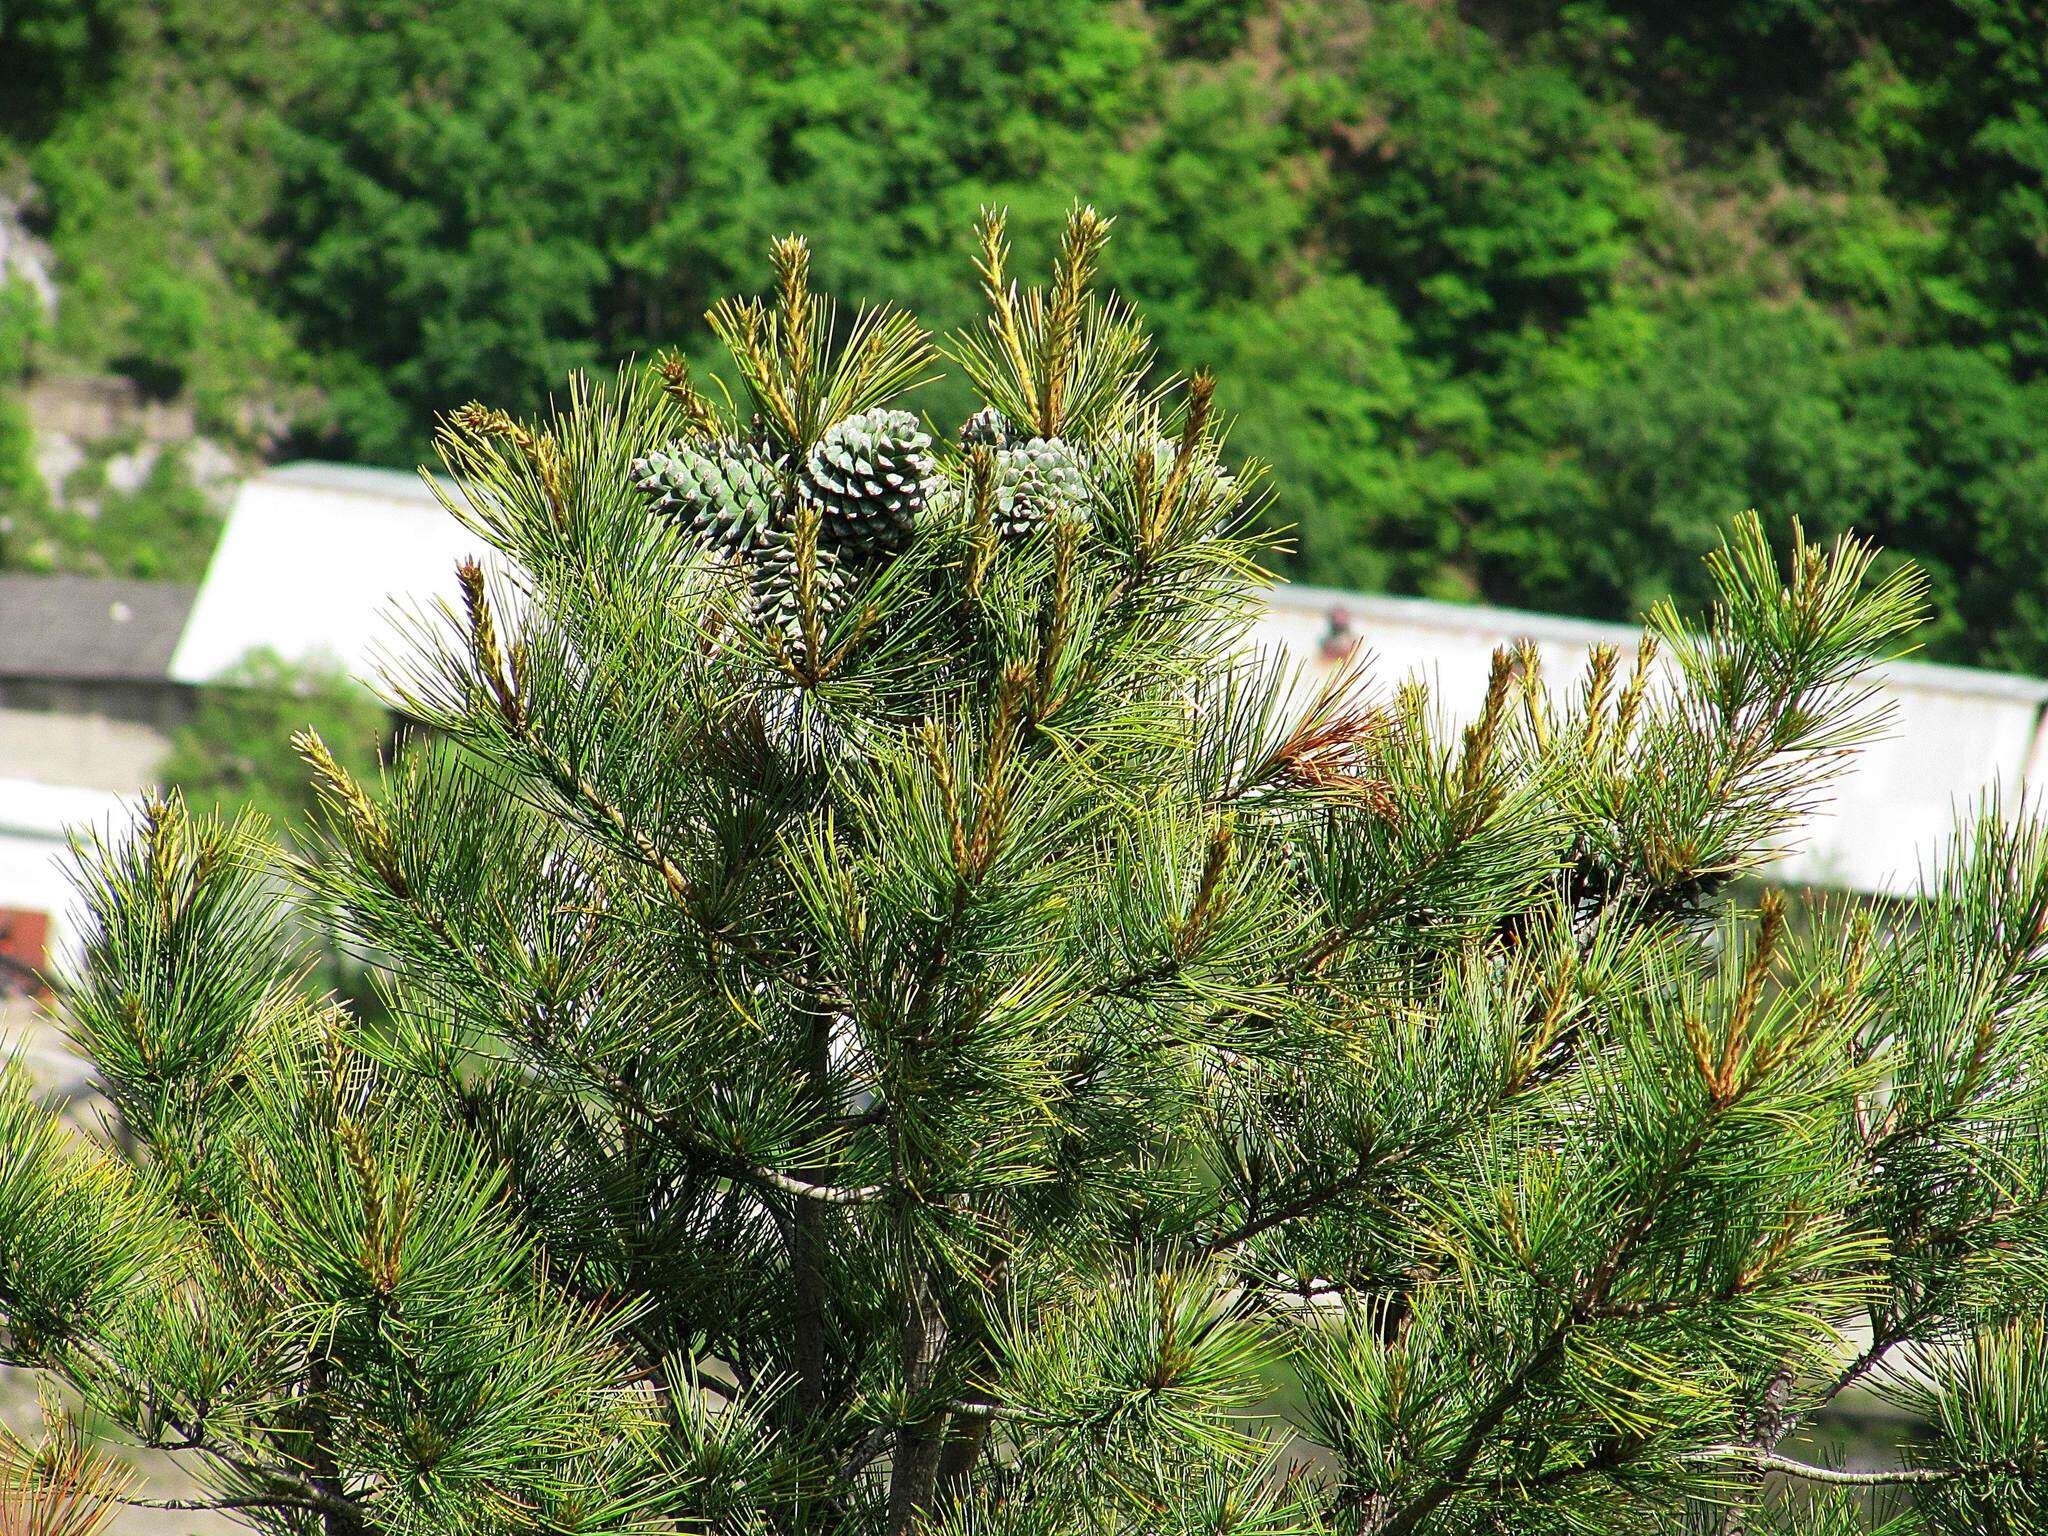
921	1444
807	1243
1768	1425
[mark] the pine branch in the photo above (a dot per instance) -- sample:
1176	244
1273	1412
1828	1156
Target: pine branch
1297	1208
193	1436
805	1189
567	782
1407	1517
1592	1294
735	1167
227	1503
1882	1341
968	1408
1771	1461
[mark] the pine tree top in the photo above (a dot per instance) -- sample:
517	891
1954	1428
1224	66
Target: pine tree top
893	1016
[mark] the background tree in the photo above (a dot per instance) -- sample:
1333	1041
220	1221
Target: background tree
895	1019
1523	301
235	753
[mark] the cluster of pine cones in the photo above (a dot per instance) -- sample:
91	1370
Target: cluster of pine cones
870	477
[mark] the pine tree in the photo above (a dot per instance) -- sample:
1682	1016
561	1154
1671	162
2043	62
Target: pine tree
896	1017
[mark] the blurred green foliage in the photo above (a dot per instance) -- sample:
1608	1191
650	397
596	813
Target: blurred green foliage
236	754
23	497
161	528
1521	297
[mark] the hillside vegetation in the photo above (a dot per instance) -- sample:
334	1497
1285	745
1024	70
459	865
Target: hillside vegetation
1522	299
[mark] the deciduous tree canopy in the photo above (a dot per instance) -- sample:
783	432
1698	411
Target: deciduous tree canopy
1523	300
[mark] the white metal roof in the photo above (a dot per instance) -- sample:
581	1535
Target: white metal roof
1956	734
309	564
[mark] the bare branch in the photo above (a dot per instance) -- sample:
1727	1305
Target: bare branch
1806	1471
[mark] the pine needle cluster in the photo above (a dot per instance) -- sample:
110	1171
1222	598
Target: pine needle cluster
931	1030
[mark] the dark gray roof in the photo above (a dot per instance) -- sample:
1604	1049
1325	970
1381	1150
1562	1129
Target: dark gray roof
86	629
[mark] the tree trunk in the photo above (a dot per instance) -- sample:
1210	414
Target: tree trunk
920	1445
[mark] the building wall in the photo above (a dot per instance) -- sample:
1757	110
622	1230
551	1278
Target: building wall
37	822
159	704
85	749
1955	737
69	753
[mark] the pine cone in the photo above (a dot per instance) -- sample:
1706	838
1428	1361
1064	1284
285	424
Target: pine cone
870	475
988	427
722	493
1119	453
772	595
1036	480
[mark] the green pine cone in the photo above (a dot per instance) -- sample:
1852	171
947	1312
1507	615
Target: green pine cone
723	493
870	475
1206	476
1036	480
1119	454
772	589
988	427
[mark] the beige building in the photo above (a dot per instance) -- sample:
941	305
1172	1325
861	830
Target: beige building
87	705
